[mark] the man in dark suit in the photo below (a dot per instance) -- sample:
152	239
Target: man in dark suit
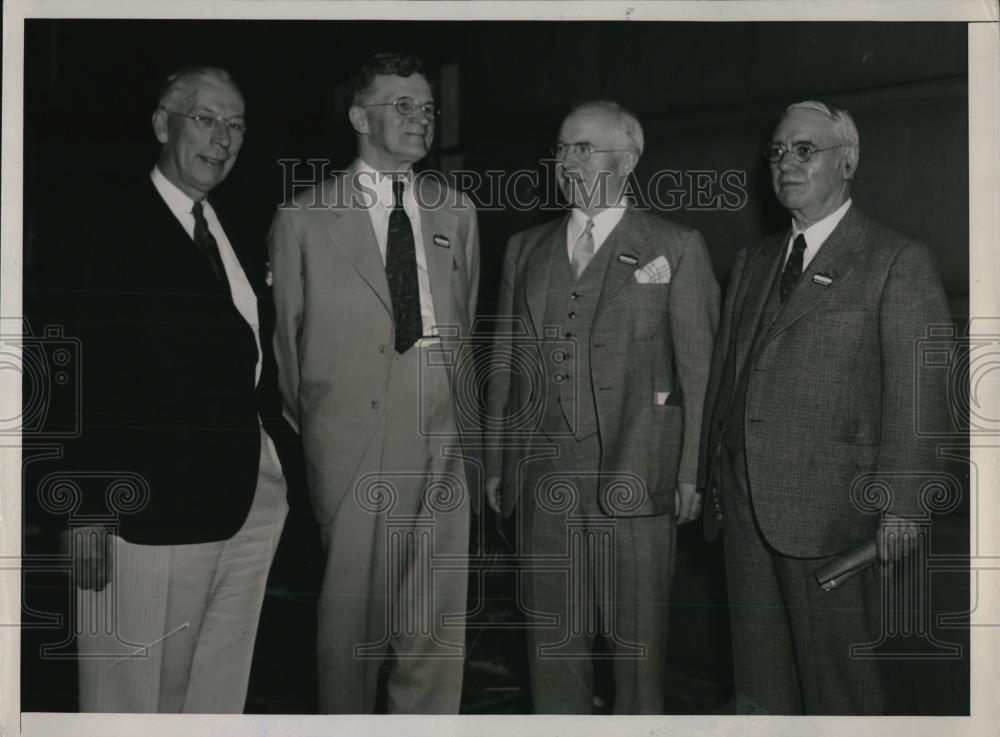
614	312
376	272
180	401
814	393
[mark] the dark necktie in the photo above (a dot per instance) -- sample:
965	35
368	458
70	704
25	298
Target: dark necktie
793	267
401	272
207	245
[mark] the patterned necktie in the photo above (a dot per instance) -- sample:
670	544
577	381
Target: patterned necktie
401	272
207	245
583	249
793	267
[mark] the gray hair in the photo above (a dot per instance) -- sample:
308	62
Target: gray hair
179	84
844	129
625	121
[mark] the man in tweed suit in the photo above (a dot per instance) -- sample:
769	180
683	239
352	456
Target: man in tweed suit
813	390
615	310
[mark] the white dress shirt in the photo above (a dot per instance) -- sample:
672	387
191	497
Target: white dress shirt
604	222
816	234
379	212
244	298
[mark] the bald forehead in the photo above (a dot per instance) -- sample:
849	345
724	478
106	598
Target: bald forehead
186	89
592	124
801	124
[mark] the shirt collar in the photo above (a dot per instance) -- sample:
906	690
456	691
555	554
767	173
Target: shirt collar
604	222
178	202
371	180
817	233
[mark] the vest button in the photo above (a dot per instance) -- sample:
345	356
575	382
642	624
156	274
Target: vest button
560	378
382	348
376	404
572	315
573	295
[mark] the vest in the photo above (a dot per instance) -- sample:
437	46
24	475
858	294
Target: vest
570	404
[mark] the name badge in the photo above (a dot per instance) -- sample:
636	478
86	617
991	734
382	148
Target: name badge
440	240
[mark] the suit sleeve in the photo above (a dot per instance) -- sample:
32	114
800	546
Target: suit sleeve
285	248
912	300
694	317
472	259
723	344
499	368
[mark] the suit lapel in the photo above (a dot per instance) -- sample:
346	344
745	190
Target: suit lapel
761	272
443	224
351	232
630	248
836	259
538	270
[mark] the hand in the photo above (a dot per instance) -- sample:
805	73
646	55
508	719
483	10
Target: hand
896	537
687	503
493	495
88	547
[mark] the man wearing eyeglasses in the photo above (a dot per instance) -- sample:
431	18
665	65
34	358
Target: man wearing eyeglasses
376	273
180	413
814	390
616	311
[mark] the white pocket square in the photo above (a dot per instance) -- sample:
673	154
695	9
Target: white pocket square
656	271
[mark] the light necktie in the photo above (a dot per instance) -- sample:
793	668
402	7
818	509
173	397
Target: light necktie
206	243
401	272
793	267
583	249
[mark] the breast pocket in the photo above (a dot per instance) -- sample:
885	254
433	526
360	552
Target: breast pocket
648	304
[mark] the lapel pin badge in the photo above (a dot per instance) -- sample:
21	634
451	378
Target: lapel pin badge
823	280
440	240
624	258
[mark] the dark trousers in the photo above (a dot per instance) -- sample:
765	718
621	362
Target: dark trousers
791	640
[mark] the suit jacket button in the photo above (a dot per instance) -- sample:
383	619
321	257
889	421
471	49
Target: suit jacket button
383	348
376	404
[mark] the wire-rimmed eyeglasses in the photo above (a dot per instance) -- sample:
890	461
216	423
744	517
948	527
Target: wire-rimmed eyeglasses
581	150
801	152
406	106
207	122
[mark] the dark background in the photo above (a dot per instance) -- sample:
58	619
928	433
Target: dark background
706	94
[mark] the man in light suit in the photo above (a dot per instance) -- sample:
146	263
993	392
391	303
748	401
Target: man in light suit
615	311
180	412
814	390
376	273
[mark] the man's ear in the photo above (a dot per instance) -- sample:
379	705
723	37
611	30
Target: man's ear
850	161
626	164
358	118
160	125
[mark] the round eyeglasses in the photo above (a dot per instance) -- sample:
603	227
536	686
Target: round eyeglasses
207	122
581	150
801	152
406	106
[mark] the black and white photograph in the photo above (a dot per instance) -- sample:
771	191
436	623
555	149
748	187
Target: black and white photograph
368	365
